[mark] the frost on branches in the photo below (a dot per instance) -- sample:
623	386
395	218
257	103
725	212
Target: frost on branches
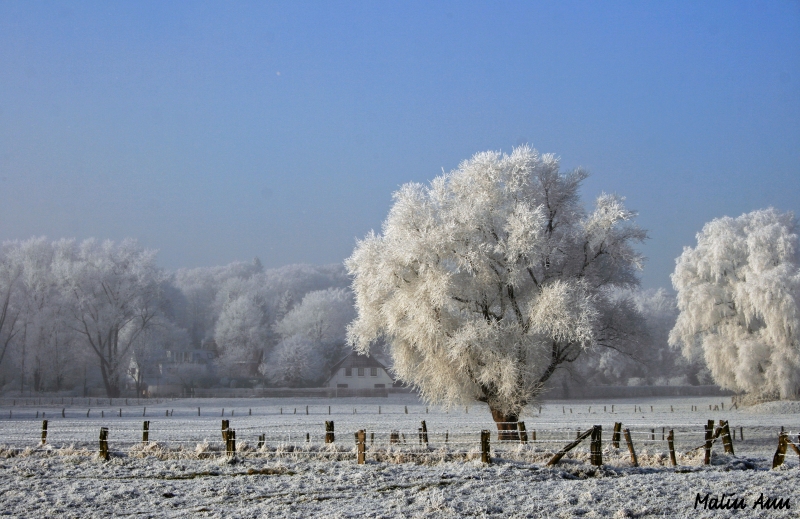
738	294
313	338
487	280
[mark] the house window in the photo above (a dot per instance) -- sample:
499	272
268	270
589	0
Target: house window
348	372
360	372
373	372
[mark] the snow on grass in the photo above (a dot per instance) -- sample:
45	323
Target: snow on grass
173	476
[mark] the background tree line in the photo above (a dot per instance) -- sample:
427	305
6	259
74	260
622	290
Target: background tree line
78	316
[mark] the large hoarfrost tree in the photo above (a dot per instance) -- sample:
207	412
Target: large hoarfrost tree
738	294
112	292
489	279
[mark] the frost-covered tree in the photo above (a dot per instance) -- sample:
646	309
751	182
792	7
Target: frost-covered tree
313	337
294	362
11	298
112	295
489	279
242	331
149	348
48	356
738	294
198	306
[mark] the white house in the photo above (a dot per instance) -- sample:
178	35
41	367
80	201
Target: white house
359	372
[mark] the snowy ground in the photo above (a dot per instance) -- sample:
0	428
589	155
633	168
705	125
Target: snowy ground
185	472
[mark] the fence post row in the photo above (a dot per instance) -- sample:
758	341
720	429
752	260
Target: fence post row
146	431
104	443
523	434
709	437
671	443
329	436
44	432
596	447
485	446
560	454
424	430
628	440
361	441
727	442
615	436
780	454
231	443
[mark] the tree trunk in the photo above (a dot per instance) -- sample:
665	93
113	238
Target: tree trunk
506	425
110	382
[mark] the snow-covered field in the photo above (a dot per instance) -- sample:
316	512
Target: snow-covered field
184	471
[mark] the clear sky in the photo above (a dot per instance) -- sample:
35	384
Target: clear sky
227	130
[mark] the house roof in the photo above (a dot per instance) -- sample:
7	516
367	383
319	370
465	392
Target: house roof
354	360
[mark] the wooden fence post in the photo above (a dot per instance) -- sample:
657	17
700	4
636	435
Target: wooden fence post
628	440
329	436
560	454
596	448
44	432
225	427
262	439
394	437
485	446
615	436
425	433
707	445
104	443
727	442
671	444
523	434
231	443
780	454
361	442
146	431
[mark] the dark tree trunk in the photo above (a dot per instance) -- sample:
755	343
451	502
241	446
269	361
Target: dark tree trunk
506	425
110	382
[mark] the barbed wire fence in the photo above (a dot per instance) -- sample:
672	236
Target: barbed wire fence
377	440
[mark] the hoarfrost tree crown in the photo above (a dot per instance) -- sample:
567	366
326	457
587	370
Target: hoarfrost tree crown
738	294
487	280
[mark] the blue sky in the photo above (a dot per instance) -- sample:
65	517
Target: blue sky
227	130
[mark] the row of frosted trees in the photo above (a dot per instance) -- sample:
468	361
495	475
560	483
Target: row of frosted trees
81	314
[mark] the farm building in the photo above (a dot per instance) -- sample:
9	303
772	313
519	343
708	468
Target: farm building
359	372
